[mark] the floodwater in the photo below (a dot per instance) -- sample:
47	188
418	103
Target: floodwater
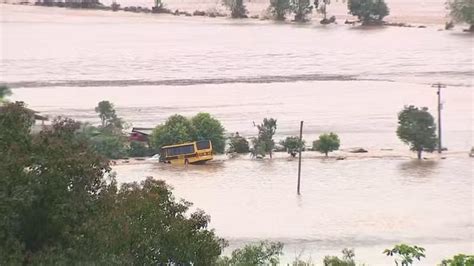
337	78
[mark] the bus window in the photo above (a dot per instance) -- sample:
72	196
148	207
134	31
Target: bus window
203	145
180	150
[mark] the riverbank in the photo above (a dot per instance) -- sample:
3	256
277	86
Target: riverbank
436	20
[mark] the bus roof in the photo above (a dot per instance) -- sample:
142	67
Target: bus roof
182	144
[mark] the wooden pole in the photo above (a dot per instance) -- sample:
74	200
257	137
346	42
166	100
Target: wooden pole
439	86
299	158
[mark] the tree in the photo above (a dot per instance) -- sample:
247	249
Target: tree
237	8
370	12
108	116
416	128
405	254
264	142
462	11
60	206
4	92
459	260
327	143
263	253
238	144
347	259
301	9
279	8
292	145
208	128
177	129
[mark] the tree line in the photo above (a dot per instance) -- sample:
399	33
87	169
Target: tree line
61	205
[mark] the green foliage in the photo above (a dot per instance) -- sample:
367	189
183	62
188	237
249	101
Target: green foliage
459	260
405	254
292	145
238	144
263	253
264	143
159	4
108	116
327	143
301	9
138	149
4	92
237	8
208	128
370	12
59	208
416	128
178	129
110	144
279	8
462	11
347	259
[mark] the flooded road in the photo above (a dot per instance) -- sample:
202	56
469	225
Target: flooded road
338	78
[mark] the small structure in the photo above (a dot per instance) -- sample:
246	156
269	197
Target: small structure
141	134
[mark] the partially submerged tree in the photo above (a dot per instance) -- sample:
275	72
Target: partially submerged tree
238	144
292	145
179	129
279	9
264	144
237	8
108	115
370	12
209	128
405	254
4	92
302	9
176	130
416	128
462	11
327	143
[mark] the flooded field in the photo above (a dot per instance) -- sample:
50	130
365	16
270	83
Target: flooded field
338	78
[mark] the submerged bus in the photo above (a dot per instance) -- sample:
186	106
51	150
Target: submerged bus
187	153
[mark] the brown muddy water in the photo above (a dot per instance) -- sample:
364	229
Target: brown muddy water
336	78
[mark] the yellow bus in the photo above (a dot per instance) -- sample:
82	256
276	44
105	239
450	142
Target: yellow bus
187	153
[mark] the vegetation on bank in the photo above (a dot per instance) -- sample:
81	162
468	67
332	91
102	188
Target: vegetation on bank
368	12
462	11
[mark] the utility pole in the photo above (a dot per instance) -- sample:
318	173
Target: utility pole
439	86
299	158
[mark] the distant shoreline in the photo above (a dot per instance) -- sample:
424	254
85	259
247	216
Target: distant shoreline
9	9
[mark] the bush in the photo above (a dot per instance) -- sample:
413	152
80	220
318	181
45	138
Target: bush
301	9
292	145
237	8
238	144
326	143
138	149
279	9
462	11
370	12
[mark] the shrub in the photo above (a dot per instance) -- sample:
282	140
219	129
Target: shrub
370	12
292	145
238	144
326	143
279	9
